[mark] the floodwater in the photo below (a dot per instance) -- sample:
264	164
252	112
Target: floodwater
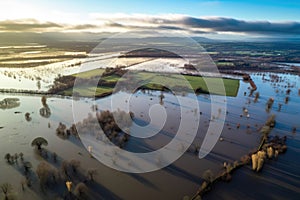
279	179
293	64
40	78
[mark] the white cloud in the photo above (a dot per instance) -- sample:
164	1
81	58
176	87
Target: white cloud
119	22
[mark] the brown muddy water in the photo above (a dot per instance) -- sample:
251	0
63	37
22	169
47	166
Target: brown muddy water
279	179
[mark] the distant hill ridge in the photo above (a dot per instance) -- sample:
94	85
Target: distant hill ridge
150	52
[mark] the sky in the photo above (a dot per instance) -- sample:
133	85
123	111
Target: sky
255	18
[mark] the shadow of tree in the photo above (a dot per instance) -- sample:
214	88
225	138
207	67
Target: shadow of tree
172	169
143	181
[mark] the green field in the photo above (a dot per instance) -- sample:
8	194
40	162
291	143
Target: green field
154	81
89	91
225	64
25	56
89	74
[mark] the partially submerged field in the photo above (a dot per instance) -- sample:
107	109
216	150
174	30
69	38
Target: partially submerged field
181	178
33	55
99	83
27	117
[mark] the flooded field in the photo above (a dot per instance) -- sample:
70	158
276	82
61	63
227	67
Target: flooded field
182	177
49	64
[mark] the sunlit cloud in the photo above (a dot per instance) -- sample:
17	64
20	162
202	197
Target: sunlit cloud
120	22
204	24
29	25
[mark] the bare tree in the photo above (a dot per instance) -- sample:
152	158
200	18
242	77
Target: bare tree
6	188
44	100
46	173
208	176
27	117
27	166
8	157
65	165
21	156
256	96
286	100
54	156
81	190
75	164
92	173
16	157
39	141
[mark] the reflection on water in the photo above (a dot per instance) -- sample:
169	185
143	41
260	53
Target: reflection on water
184	176
279	179
9	103
291	64
45	110
41	78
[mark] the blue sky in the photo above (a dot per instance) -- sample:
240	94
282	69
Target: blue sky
254	18
246	9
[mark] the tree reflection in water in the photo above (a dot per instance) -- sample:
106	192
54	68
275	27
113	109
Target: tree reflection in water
45	110
9	103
